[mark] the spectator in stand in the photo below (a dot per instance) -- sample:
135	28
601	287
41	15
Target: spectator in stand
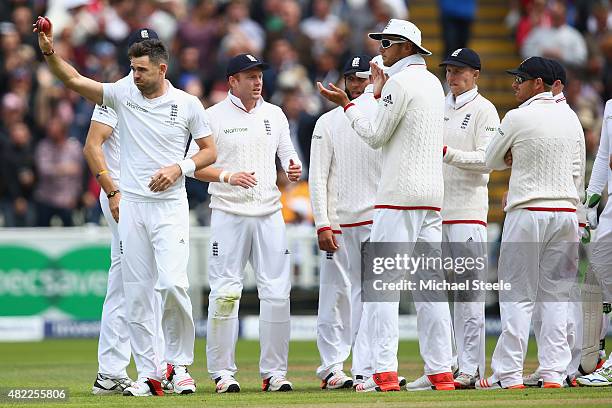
59	162
237	16
301	125
534	14
18	177
456	17
322	23
560	41
201	29
291	31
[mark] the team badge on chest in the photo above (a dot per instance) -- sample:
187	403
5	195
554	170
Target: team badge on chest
268	127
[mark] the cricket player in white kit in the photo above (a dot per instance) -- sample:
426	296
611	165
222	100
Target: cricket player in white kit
343	176
539	242
574	316
409	128
247	225
470	122
601	259
155	121
102	154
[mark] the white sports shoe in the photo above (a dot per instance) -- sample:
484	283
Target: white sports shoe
277	383
491	384
336	380
144	387
181	379
598	378
105	385
226	383
359	379
533	380
367	386
465	381
420	384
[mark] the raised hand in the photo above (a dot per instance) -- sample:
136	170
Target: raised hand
334	94
44	28
379	78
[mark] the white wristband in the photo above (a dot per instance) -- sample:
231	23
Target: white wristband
229	179
187	166
222	176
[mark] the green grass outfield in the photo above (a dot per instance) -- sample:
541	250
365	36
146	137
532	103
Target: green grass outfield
72	365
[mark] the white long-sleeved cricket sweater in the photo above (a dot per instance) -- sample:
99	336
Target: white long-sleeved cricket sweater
249	141
548	160
408	127
602	174
470	121
344	171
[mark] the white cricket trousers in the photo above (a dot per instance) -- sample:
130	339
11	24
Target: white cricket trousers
433	318
468	317
538	256
155	246
114	344
236	239
601	258
340	308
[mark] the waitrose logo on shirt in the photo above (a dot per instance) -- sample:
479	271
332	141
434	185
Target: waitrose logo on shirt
235	130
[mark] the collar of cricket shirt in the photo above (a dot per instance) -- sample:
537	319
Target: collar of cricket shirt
238	103
463	99
369	88
414	59
542	97
560	98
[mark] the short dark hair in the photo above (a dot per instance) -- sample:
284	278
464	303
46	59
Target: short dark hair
154	49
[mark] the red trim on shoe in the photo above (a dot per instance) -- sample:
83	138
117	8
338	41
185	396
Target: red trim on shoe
551	385
399	207
582	224
552	209
600	363
444	150
169	371
465	222
516	387
442	381
155	387
266	384
357	224
387	381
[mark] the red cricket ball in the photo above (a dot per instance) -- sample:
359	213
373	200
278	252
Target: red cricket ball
43	25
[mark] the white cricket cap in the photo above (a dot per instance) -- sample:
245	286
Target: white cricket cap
404	29
378	61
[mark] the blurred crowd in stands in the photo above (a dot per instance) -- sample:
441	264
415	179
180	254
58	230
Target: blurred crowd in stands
43	177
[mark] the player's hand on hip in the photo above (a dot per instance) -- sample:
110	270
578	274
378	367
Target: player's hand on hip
294	172
508	158
379	78
327	241
243	179
164	178
44	28
334	94
113	204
